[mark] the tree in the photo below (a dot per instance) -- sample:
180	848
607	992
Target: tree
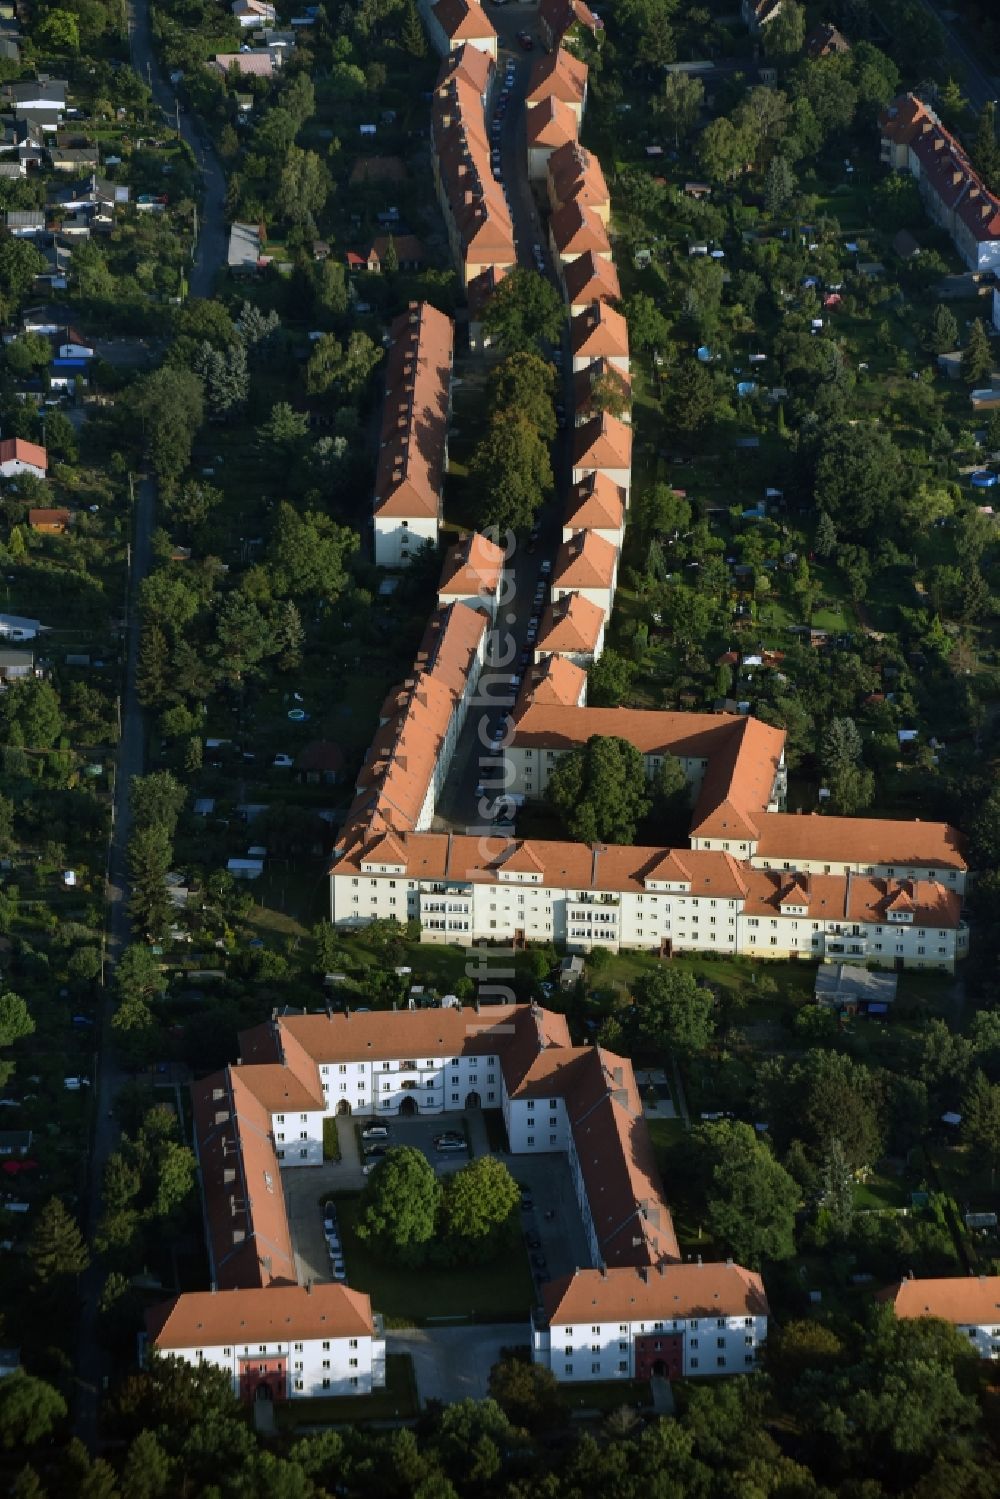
28	353
674	1012
609	680
303	187
149	1471
156	801
149	858
524	313
56	1249
986	149
258	329
837	1200
826	536
671	799
512	467
798	1349
724	149
981	1120
138	974
779	184
225	375
20	263
528	1394
599	790
942	337
690	401
841	745
648	329
168	407
525	383
750	1200
154	666
785	33
29	1410
679	104
32	704
308	554
822	1097
15	1019
977	356
858	476
477	1202
412	32
399	1207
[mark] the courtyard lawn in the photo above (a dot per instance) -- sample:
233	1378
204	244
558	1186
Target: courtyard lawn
607	1395
397	1399
880	1194
498	1292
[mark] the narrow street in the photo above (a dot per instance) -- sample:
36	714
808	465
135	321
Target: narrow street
91	1363
472	765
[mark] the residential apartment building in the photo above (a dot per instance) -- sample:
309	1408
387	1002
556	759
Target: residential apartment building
17	456
453	24
558	75
586	564
599	332
473	574
603	445
914	140
676	1321
474	889
284	1343
970	1303
581	1101
572	627
596	505
419	725
575	176
590	279
474	205
567	23
413	444
592	388
548	126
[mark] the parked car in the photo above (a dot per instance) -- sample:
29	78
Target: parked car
533	1241
525	41
539	1261
74	1084
376	1152
374	1132
546	568
450	1147
449	1134
329	1211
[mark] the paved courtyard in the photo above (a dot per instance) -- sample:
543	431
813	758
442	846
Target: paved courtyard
454	1363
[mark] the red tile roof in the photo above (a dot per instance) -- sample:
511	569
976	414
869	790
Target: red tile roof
575	229
572	625
596	504
558	74
591	278
463	20
550	123
586	560
599	331
16	449
862	840
474	565
414	429
645	1295
603	442
213	1319
964	1300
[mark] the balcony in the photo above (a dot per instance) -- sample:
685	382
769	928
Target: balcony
595	900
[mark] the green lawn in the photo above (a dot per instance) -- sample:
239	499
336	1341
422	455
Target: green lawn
397	1399
498	1292
607	1395
880	1193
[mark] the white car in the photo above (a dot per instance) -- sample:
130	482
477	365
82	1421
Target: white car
74	1084
546	569
283	762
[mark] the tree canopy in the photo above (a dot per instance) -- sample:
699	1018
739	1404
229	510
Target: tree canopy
599	791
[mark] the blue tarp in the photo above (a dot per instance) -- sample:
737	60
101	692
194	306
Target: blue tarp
984	479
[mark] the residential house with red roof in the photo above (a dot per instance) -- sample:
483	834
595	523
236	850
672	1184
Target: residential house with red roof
17	456
475	208
914	140
548	126
558	75
453	24
971	1303
603	445
596	505
574	628
586	564
473	574
588	279
599	332
413	447
276	1344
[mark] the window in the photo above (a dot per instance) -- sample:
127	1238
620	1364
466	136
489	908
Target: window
326	1363
351	1343
298	1348
352	1363
720	1363
693	1342
299	1385
720	1342
326	1384
530	1140
279	1118
568	1369
720	1321
694	1363
595	1368
623	1366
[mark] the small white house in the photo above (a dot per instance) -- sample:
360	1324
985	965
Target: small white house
16	627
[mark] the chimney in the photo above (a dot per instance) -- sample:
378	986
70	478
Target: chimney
644	1273
699	1259
309	1287
604	1271
661	1269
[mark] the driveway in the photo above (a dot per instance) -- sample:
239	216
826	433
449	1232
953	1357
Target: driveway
554	1216
454	1363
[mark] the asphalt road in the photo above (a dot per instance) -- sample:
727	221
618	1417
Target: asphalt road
91	1364
979	87
210	252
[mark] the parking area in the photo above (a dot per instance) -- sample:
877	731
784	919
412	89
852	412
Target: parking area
420	1133
550	1216
304	1189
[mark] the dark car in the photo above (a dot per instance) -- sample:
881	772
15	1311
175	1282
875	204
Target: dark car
375	1152
539	1261
527	1204
525	42
533	1241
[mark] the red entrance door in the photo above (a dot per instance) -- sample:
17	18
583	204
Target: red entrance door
266	1374
659	1353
